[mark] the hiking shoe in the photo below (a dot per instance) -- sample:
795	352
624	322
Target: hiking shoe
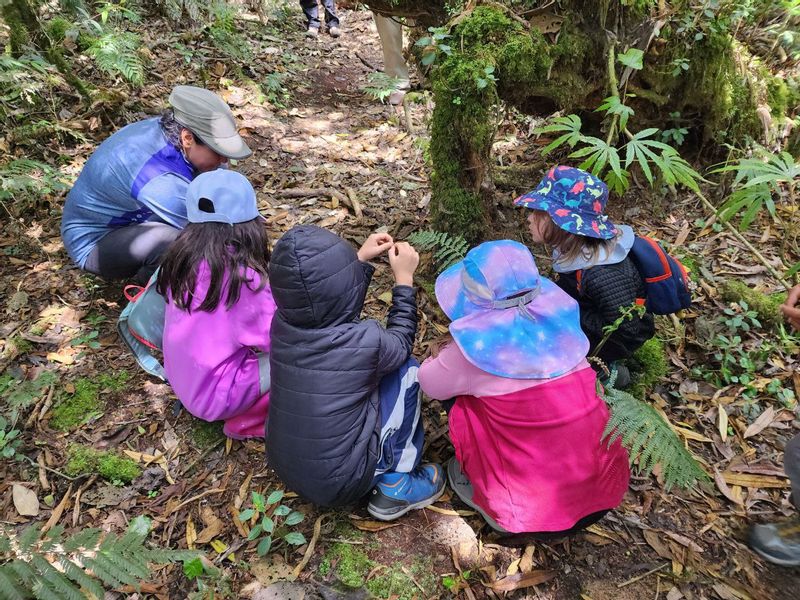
334	31
397	493
778	543
461	485
312	32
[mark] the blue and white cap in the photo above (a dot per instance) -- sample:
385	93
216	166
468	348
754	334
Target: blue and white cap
221	196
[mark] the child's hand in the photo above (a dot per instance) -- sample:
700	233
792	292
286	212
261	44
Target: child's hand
789	308
376	244
403	260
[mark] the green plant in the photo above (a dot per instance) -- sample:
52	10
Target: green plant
380	85
25	179
52	567
273	522
9	439
223	32
649	439
117	52
432	45
447	249
212	583
86	339
78	406
273	87
740	317
758	181
20	395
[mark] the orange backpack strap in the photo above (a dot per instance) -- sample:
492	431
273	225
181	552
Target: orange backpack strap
579	277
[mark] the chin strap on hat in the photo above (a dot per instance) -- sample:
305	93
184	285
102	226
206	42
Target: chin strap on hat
521	302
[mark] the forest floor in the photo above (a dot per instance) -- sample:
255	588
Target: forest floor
326	153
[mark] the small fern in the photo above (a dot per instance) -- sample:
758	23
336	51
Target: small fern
650	439
48	567
25	178
116	52
447	249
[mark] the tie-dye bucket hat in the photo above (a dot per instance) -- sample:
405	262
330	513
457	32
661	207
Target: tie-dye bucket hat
574	199
507	319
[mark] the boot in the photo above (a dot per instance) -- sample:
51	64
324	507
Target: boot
778	543
397	493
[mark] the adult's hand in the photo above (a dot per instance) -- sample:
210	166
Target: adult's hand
790	309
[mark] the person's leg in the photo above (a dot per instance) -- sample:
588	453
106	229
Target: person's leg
779	543
390	33
311	10
401	483
331	18
133	251
249	424
791	462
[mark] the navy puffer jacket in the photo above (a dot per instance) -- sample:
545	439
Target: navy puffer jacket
324	414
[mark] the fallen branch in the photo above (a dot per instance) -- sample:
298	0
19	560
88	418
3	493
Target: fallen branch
350	200
310	549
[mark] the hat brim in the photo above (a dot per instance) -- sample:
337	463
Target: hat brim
546	343
533	201
233	147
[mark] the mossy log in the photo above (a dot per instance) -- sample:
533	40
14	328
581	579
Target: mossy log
541	58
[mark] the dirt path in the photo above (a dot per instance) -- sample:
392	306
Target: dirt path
330	136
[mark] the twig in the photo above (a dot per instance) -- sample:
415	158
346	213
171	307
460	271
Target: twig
197	497
642	576
54	471
367	63
742	239
310	549
58	510
353	202
205	453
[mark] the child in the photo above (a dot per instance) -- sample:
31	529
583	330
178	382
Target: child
219	306
590	256
780	543
527	424
311	10
345	408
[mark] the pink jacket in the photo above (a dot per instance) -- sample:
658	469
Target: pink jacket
211	360
531	448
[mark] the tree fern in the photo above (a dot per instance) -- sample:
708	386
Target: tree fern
650	440
447	249
48	567
116	52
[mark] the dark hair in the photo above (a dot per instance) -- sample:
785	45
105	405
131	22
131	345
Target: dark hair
172	129
227	249
572	245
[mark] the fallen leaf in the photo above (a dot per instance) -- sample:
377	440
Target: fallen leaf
213	526
684	541
452	513
754	481
191	533
674	594
727	491
521	580
763	421
373	526
526	562
25	500
654	541
722	422
691	435
513	568
17	301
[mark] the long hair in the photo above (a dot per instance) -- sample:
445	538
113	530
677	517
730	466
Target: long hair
227	249
571	246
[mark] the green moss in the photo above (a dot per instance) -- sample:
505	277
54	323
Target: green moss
777	97
352	564
397	583
82	460
22	345
766	305
57	29
78	407
114	382
205	434
650	364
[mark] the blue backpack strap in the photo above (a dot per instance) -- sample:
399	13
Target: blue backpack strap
264	378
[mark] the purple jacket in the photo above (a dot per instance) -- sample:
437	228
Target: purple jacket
211	359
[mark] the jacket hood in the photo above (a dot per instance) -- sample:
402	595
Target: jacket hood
621	248
316	278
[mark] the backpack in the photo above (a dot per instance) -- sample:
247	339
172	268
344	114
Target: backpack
665	280
141	325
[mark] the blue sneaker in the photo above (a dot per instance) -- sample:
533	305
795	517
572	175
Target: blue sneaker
397	493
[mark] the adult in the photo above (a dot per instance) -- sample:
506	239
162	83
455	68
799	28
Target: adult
390	33
129	202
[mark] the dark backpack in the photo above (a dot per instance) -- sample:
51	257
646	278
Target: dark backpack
665	280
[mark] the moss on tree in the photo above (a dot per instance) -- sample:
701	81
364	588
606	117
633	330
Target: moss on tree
766	305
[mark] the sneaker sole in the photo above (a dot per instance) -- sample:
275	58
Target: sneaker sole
776	561
391	516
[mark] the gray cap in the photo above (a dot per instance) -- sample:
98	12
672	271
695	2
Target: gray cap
205	114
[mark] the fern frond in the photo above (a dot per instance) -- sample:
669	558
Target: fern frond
116	53
50	568
650	440
447	249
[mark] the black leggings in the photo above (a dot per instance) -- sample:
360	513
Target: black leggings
791	460
131	252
